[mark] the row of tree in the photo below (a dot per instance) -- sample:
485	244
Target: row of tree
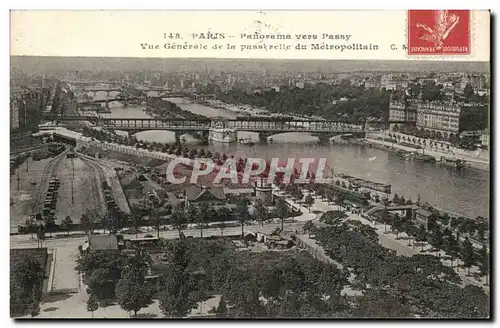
199	214
408	286
421	137
453	244
27	273
281	284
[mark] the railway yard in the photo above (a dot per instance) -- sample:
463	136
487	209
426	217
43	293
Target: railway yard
60	184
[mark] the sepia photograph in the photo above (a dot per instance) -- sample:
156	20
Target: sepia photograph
347	180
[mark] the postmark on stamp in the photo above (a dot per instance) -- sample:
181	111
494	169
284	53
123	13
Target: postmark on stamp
439	32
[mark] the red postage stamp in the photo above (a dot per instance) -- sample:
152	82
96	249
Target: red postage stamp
439	32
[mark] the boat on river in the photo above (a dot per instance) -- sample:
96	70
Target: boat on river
425	158
246	141
456	163
419	157
367	184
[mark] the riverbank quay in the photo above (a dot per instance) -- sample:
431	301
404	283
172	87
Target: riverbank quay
474	162
156	157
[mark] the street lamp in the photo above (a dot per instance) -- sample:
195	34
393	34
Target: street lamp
72	179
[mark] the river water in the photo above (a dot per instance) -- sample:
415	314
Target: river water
464	192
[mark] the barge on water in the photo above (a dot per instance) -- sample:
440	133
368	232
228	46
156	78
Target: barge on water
414	156
425	158
358	142
382	187
456	163
246	141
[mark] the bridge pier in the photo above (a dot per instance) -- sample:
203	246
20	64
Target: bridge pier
178	135
324	138
203	135
264	137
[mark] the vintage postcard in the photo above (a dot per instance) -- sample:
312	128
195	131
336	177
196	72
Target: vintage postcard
250	164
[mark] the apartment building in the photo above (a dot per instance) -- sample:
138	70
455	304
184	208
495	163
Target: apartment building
402	110
439	118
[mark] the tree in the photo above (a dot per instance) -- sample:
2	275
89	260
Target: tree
192	213
135	219
445	219
49	222
92	304
308	226
396	224
437	239
201	219
132	290
468	91
176	296
156	219
101	270
484	262
34	309
26	279
242	215
333	218
88	221
454	223
395	199
411	230
179	219
112	221
309	201
468	256
481	228
31	226
178	285
381	304
339	199
223	213
261	213
385	217
452	247
282	210
221	310
297	194
421	236
66	223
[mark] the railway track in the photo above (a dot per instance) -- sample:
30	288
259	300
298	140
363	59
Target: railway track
115	184
106	173
96	184
49	171
34	148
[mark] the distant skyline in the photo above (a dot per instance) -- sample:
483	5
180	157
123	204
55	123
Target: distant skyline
40	64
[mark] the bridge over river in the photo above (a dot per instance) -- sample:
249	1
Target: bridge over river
259	125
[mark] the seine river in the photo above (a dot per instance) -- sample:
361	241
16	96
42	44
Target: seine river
464	192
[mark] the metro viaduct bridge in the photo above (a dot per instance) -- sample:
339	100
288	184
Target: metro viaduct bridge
264	126
88	82
143	96
95	90
130	98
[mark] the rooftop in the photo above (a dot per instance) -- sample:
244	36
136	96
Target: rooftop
423	212
102	242
195	192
